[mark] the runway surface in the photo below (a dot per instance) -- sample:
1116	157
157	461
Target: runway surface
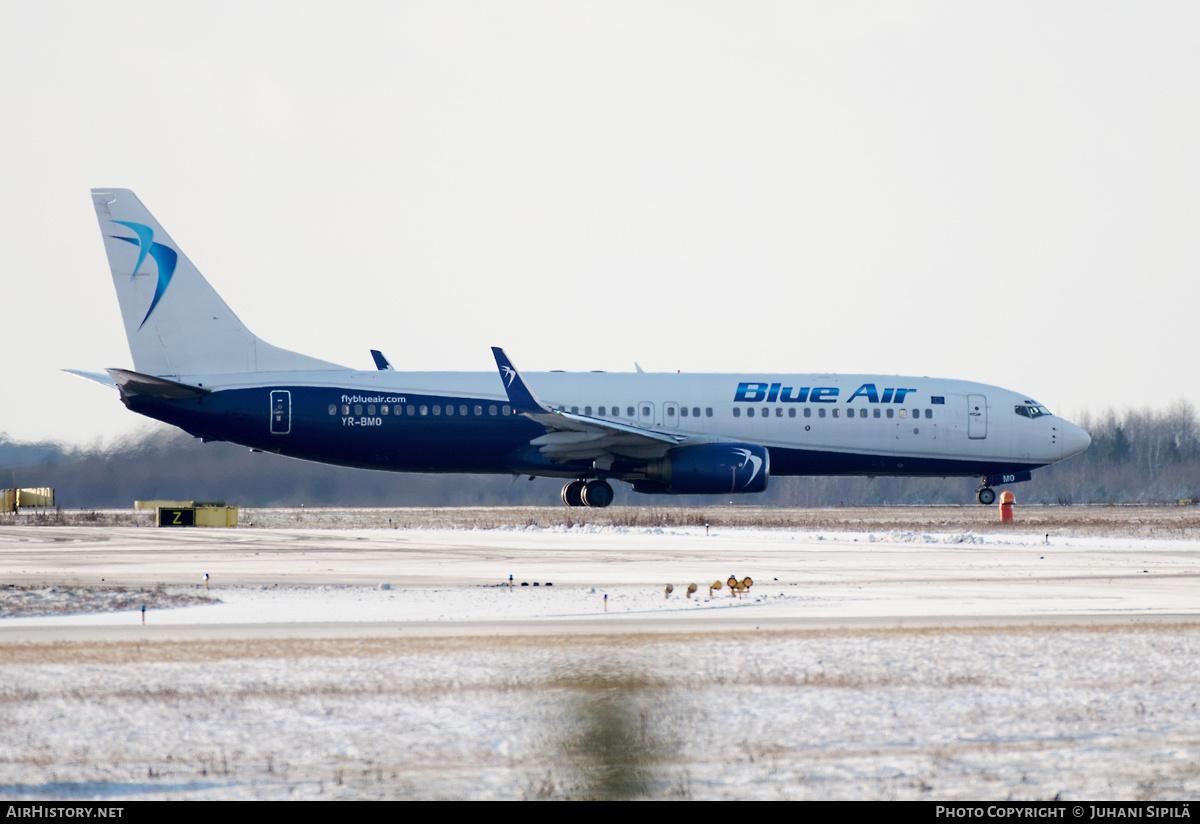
397	663
801	579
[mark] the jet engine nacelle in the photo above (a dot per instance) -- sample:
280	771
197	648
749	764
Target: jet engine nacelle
709	469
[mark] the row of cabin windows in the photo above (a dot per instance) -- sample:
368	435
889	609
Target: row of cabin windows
506	410
630	411
422	409
765	412
464	410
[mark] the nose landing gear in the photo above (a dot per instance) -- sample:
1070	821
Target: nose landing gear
985	495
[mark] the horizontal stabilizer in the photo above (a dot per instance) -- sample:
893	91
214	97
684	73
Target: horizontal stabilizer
135	383
98	377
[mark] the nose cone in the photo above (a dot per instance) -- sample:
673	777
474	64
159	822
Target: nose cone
1074	440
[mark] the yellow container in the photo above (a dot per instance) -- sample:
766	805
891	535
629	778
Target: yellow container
216	516
186	516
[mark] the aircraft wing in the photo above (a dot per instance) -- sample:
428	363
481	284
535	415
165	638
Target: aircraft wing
571	436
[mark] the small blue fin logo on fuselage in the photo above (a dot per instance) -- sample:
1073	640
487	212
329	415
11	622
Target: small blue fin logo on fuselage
165	259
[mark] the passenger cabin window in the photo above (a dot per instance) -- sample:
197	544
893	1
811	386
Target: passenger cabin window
737	412
333	409
492	409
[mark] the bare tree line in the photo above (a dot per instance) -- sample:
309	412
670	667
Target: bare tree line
1139	455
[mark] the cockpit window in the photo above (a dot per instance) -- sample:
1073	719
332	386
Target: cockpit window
1031	411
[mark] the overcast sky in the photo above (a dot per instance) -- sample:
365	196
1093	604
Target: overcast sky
1005	193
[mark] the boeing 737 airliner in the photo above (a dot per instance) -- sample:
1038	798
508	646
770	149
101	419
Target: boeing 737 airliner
197	367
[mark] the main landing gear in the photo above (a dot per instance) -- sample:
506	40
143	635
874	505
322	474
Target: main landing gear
985	495
597	494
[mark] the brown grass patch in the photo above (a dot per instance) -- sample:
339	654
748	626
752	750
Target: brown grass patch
164	651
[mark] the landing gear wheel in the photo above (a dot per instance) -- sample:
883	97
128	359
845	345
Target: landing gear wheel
597	494
986	495
572	493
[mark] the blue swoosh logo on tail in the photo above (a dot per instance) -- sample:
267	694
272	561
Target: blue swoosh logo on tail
164	257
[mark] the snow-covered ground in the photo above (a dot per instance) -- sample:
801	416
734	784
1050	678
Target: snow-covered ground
811	686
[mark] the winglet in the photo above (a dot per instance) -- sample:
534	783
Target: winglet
381	363
519	393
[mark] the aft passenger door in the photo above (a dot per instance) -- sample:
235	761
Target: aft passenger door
281	412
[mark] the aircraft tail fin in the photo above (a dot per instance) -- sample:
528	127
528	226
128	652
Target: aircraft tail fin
175	321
